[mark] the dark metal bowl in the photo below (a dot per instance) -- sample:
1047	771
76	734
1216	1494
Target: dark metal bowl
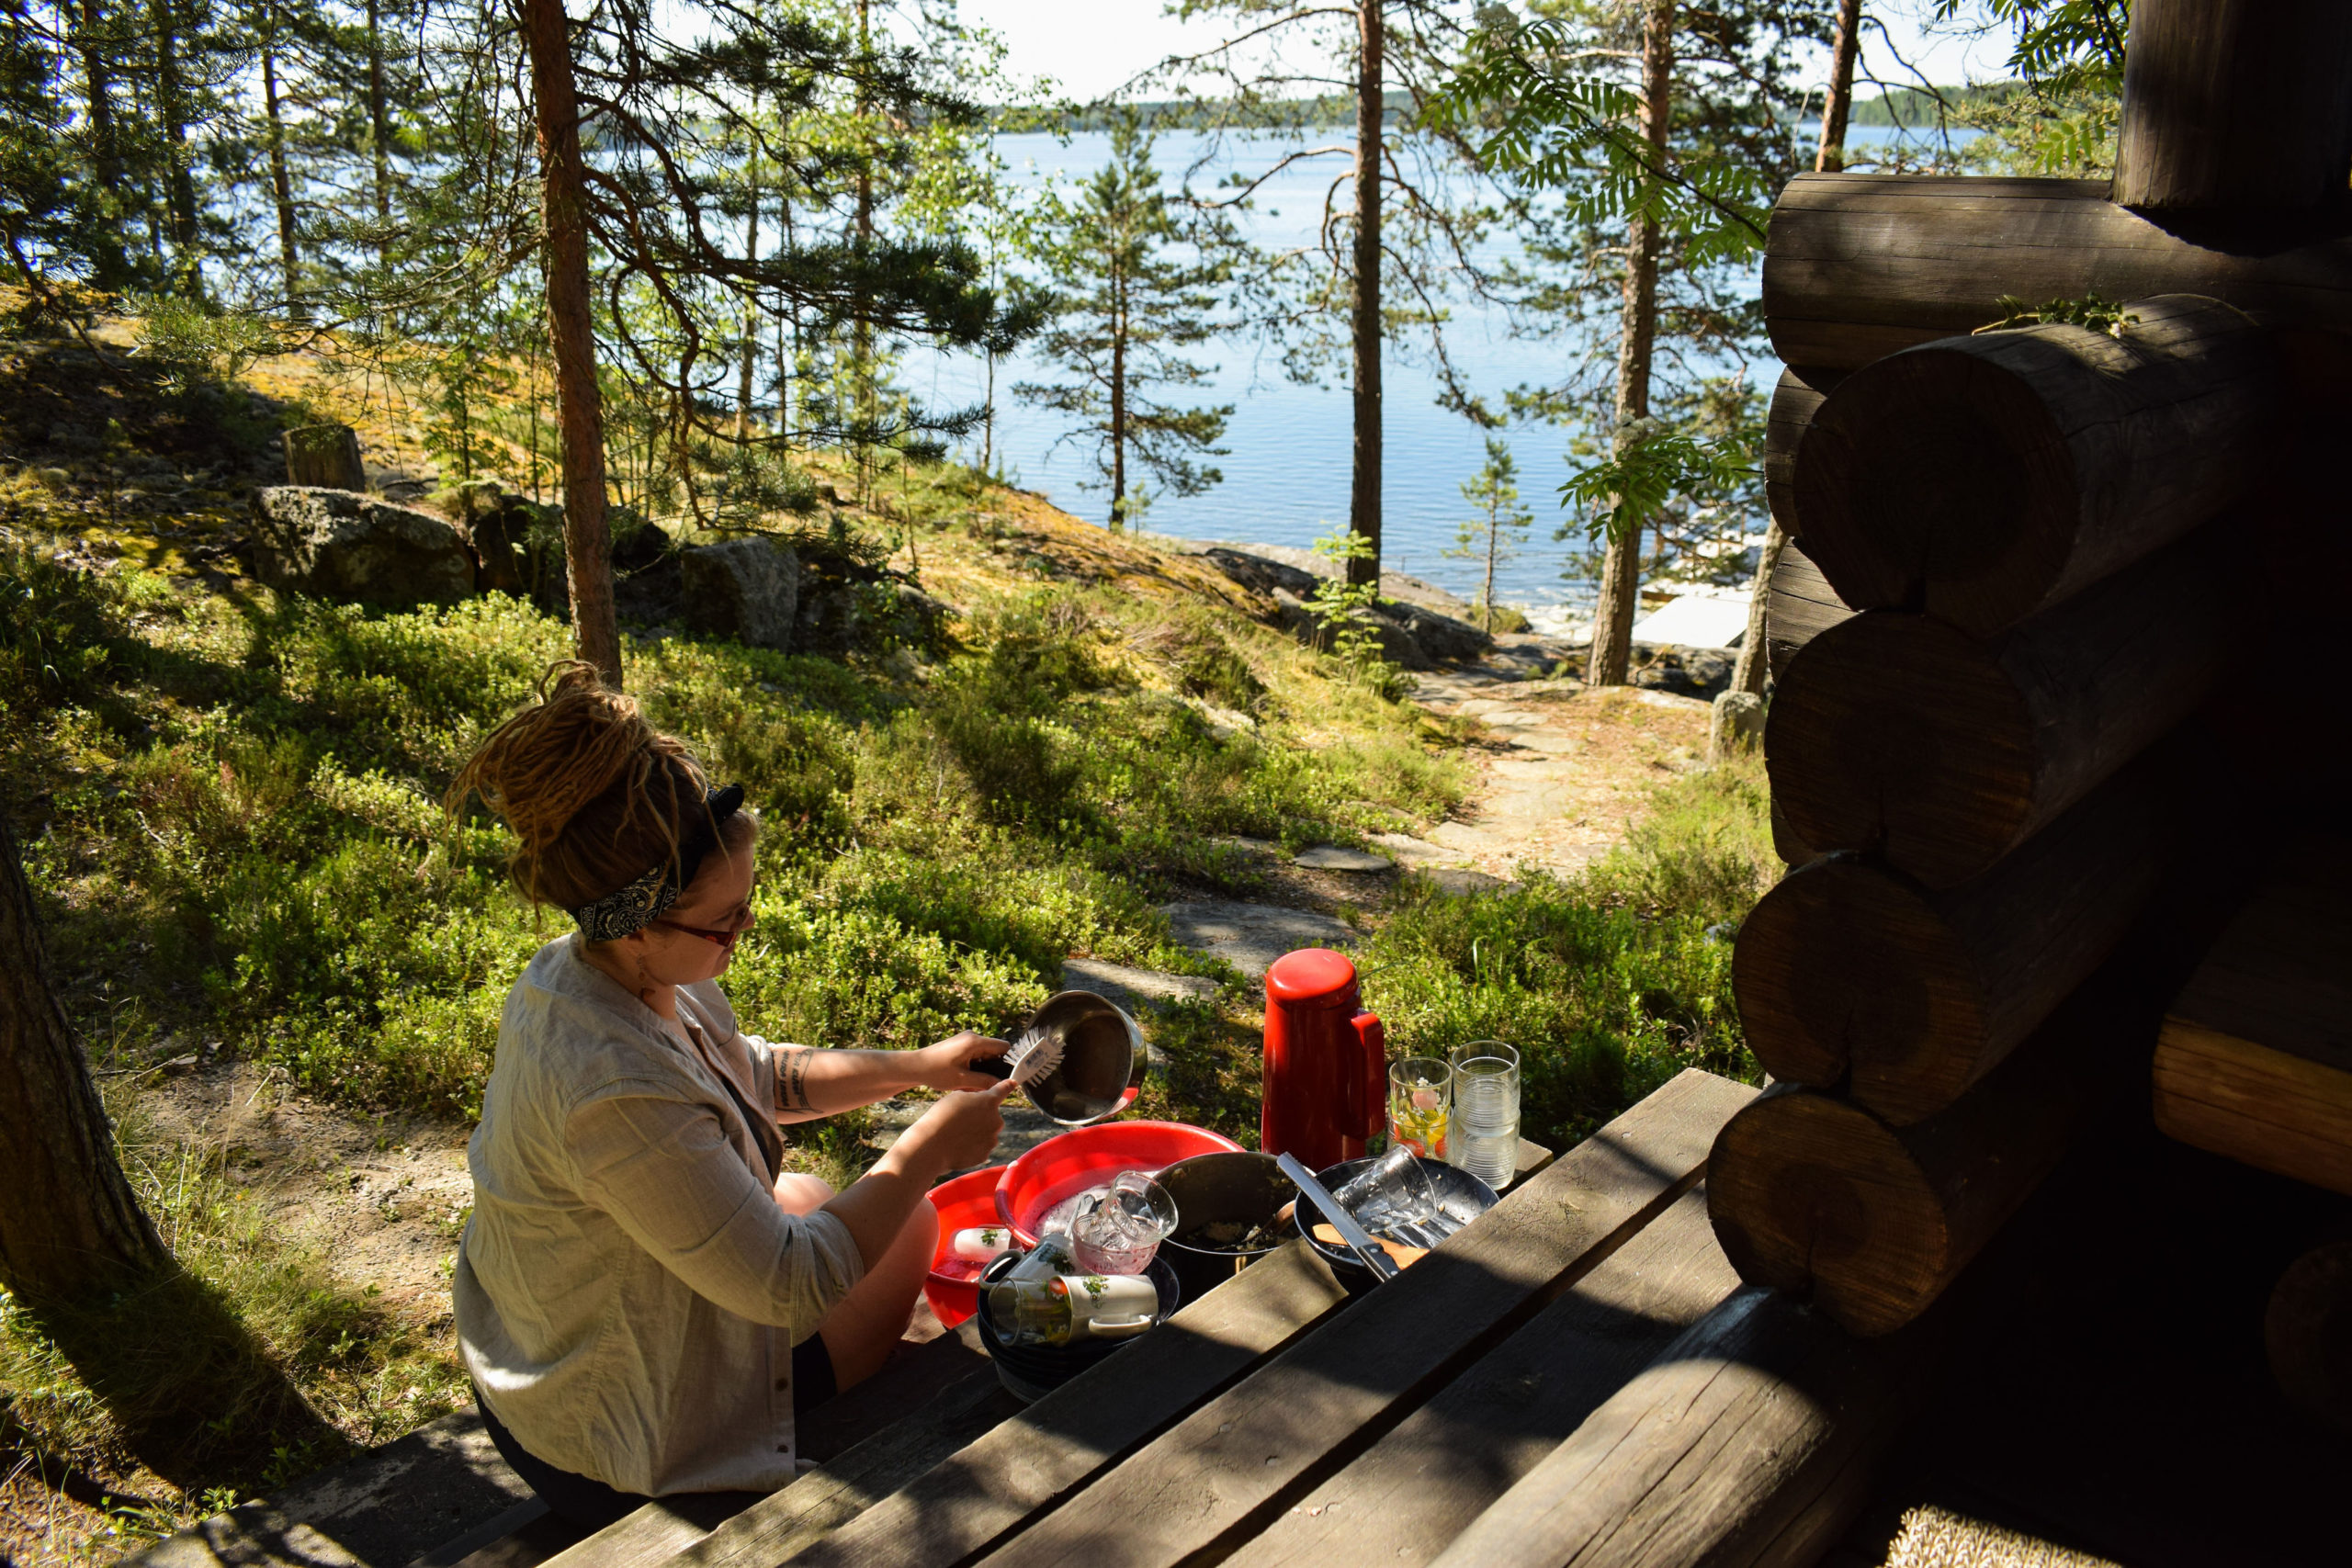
1246	1188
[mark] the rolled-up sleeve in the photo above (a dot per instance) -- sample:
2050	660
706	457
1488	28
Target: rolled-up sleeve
666	1172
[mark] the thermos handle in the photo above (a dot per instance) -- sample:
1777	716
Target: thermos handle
1371	1119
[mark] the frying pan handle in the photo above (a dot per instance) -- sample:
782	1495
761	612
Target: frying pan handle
1371	1118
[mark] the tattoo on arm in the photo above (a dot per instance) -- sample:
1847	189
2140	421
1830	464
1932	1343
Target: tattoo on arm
792	1077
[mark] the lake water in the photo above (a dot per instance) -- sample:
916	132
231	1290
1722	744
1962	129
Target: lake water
1287	472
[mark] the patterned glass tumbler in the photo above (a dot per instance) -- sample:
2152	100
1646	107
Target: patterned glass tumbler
1420	1102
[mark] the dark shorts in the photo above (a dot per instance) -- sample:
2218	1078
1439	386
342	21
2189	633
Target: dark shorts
592	1504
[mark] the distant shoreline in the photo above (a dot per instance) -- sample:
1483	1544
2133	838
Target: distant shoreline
1908	108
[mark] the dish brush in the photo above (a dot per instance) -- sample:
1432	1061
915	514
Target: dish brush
1035	1053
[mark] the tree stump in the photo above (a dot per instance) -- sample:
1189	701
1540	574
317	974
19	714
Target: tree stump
326	456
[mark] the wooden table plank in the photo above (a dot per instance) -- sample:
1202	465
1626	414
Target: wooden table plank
1222	1473
1747	1441
930	1398
831	1497
1419	1487
969	1501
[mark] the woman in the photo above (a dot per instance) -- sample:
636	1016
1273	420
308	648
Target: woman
642	1298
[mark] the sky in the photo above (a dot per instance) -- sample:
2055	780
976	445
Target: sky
1092	47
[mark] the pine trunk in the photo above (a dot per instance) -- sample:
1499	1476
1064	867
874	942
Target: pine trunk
1488	597
380	135
1749	674
1119	403
750	314
580	409
111	263
69	1225
1364	496
862	329
171	102
1621	571
281	184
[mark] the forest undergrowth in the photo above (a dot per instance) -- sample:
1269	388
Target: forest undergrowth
230	804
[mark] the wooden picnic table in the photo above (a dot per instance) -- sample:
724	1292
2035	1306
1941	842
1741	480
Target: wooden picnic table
1275	1419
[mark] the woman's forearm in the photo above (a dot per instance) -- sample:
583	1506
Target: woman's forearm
810	1082
875	1207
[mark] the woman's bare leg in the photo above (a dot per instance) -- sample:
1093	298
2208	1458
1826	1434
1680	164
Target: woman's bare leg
860	1332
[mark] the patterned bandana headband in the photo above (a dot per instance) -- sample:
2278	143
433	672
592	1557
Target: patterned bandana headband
639	904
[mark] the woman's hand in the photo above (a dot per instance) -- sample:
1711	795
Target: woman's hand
948	1065
959	1130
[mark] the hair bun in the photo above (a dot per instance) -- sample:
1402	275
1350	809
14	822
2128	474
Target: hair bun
595	795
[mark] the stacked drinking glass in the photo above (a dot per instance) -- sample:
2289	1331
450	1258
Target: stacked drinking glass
1483	1136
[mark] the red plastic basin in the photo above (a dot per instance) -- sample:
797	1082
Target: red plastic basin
1063	1167
966	1201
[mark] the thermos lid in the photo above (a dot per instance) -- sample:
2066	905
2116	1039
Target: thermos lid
1314	977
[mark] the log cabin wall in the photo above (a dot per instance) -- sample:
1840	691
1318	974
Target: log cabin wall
2034	572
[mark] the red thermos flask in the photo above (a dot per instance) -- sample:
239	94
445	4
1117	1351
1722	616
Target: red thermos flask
1326	1061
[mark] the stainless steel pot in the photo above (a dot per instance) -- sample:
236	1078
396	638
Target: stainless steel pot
1102	1060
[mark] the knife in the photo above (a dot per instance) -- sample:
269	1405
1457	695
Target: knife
1368	1252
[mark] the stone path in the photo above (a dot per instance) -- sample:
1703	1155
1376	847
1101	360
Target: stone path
1562	770
1251	936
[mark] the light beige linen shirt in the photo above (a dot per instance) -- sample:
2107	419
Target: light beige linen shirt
628	1293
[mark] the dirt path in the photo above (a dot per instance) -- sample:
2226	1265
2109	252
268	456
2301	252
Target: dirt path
1563	770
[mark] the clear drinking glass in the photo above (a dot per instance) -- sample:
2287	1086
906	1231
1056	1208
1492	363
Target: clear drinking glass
1420	1102
1483	1136
1118	1230
1392	1197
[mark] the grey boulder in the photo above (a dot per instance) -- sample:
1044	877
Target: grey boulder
338	544
745	589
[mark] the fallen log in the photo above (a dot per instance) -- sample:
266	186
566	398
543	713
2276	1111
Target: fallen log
1847	968
2235	105
1862	265
1984	478
1896	732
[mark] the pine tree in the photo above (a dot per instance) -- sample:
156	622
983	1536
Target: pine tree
1663	130
1134	277
1337	303
1496	533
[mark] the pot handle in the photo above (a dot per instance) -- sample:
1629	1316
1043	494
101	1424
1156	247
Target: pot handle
1371	1119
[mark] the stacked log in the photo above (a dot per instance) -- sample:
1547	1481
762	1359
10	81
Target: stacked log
2035	559
1984	478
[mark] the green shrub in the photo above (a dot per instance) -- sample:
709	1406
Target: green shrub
1610	983
244	831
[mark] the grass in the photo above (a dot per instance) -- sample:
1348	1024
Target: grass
250	1365
229	800
1610	983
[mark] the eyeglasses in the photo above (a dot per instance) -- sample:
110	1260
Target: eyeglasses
716	937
